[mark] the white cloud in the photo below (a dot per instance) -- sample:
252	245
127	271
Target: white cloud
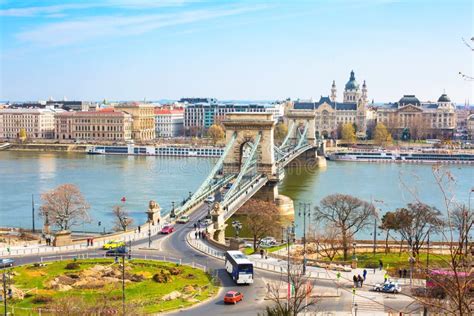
80	30
61	8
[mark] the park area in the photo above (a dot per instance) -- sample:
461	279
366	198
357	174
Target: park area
95	287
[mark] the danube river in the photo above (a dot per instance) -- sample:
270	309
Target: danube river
104	180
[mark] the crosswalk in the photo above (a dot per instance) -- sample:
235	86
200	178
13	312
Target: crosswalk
369	305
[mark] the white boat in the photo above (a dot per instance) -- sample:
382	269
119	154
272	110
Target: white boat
176	151
424	156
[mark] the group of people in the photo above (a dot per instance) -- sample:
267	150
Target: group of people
199	234
90	242
359	280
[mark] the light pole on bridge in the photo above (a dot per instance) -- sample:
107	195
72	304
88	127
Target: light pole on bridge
306	212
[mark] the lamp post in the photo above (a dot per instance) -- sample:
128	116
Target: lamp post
354	250
306	207
237	227
33	213
289	232
172	214
375	225
125	218
149	235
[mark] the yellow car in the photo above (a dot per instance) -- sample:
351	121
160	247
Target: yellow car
113	244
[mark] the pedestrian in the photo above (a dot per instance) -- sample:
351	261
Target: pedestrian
364	274
405	272
266	254
400	273
380	264
195	225
385	277
116	259
92	242
196	235
87	242
354	278
139	229
360	280
200	234
261	253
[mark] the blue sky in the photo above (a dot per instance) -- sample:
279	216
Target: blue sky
261	50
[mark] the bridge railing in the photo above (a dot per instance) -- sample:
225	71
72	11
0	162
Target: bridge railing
237	200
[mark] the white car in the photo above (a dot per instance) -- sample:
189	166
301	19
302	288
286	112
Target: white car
388	287
268	241
210	199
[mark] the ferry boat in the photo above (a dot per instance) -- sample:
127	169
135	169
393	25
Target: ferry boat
175	151
404	157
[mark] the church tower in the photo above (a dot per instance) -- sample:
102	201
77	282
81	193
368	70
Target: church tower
364	92
352	92
333	91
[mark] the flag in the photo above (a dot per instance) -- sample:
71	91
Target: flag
123	199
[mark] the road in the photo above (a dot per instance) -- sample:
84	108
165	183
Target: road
175	245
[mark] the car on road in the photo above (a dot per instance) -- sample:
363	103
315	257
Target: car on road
117	252
183	219
210	199
167	229
233	297
391	287
268	241
6	262
206	221
112	244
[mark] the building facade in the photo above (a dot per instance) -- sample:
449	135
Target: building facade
37	123
470	126
143	116
331	114
198	117
105	125
410	118
169	122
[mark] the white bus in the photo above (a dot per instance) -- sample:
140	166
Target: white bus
239	267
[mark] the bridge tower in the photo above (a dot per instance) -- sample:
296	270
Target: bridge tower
296	120
247	127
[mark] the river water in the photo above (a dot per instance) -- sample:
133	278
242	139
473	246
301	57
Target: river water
104	180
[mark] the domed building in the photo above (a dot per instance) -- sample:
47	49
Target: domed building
330	114
419	120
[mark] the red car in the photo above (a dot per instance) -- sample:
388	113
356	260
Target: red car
232	297
167	229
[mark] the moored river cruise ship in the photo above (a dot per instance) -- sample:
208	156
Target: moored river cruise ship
176	151
424	156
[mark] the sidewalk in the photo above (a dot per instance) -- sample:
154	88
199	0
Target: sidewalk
131	235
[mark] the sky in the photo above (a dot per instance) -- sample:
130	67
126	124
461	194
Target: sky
234	50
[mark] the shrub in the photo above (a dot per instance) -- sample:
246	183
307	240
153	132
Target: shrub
162	277
41	299
175	271
72	266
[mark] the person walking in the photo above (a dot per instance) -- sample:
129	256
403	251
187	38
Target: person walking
385	277
261	253
354	278
405	272
400	273
380	265
200	234
195	225
364	274
139	229
196	235
360	280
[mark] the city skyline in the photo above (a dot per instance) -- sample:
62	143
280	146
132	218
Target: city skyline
131	50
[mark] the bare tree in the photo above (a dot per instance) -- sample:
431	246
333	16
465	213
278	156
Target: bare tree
389	222
122	218
347	213
65	207
328	242
262	219
293	298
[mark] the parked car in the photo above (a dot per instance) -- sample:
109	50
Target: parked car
183	219
268	241
112	244
6	262
120	251
391	287
167	229
210	199
232	297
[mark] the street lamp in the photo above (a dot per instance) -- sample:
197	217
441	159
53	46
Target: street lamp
172	214
125	218
375	224
354	250
149	235
290	230
237	227
306	207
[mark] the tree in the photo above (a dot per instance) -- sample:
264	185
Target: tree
328	242
389	222
416	221
216	132
122	219
65	207
262	219
347	213
348	133
22	135
281	129
381	135
300	295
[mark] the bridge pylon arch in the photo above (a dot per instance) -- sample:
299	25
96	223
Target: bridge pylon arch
296	119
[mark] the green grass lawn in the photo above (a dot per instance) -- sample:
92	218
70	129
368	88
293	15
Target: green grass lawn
146	294
395	261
